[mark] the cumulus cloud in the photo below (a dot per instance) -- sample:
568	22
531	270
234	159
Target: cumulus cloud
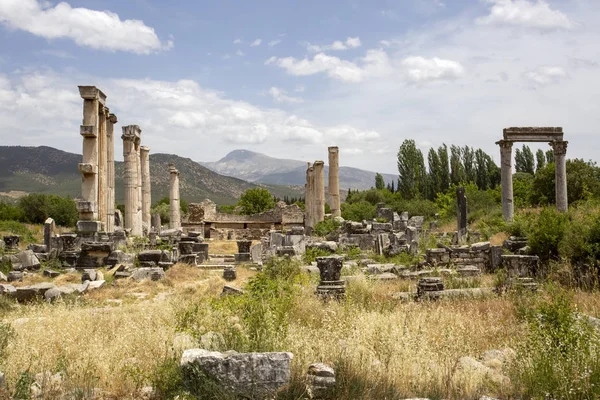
543	76
256	43
524	13
350	43
275	42
172	115
239	53
101	30
280	96
375	63
421	70
237	41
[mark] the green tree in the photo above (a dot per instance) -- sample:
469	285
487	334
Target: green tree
482	177
411	168
583	182
468	162
255	201
379	182
457	170
444	167
549	156
435	172
37	207
540	160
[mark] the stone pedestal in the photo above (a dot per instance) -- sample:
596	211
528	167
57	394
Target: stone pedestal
175	217
430	288
508	207
334	182
331	284
11	242
560	160
229	274
244	246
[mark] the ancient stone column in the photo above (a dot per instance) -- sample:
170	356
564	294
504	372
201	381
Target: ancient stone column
87	207
102	166
508	207
560	159
138	215
308	199
461	205
175	220
110	173
319	192
334	182
131	140
146	200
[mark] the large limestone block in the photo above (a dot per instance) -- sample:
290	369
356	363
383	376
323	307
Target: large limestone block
27	260
154	274
251	375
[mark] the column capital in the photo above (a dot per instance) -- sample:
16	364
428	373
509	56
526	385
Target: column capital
92	93
132	133
172	169
112	118
505	145
333	149
144	149
559	147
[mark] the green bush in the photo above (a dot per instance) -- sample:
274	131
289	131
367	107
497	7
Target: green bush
37	207
325	227
546	233
255	201
17	228
10	212
363	210
560	356
311	254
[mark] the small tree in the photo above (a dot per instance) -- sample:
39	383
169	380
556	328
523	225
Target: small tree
255	201
379	182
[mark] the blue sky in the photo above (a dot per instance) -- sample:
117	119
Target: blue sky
288	79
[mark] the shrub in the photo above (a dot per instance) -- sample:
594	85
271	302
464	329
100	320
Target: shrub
255	201
547	232
10	212
311	254
37	207
323	228
360	211
17	228
559	358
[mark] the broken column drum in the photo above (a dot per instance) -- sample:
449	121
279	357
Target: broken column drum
175	217
146	189
334	182
330	269
430	288
131	143
229	273
461	204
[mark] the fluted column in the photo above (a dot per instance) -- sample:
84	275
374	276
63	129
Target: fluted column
319	192
110	173
175	220
146	201
87	207
138	196
508	207
102	165
131	141
334	182
308	199
560	160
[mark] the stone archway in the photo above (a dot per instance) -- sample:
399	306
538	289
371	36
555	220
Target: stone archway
554	137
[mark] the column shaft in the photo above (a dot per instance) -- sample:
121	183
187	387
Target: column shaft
560	160
131	140
110	173
334	182
508	207
88	208
319	192
175	220
308	199
102	166
146	201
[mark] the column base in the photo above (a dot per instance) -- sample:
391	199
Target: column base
89	226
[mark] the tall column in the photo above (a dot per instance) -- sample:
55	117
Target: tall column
175	220
131	140
138	198
319	192
110	173
145	161
334	182
102	165
308	199
87	207
560	159
508	207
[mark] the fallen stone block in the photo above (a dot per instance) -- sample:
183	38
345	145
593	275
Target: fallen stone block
7	290
28	293
56	292
154	274
320	380
3	277
230	290
96	284
28	260
481	246
51	273
251	375
376	269
89	275
15	276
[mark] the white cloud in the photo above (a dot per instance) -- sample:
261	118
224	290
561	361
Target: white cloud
239	53
280	96
527	14
375	63
300	88
420	69
237	41
350	43
101	30
275	42
256	43
545	75
352	151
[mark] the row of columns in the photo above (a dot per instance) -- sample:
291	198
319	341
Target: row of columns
315	190
559	147
97	205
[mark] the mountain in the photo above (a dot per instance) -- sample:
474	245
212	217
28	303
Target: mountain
49	170
257	167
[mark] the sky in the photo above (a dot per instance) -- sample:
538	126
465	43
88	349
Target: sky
289	78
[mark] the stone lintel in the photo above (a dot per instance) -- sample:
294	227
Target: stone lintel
87	168
89	131
86	206
89	92
132	132
533	134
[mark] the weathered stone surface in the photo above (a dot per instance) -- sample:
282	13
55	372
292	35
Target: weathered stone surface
15	276
54	293
28	293
320	380
7	289
229	274
430	287
51	273
244	246
37	248
27	260
154	256
117	257
481	246
381	227
253	375
154	274
96	284
311	269
386	276
2	382
416	221
327	246
376	269
89	275
11	242
468	271
520	266
3	277
514	243
243	258
230	290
